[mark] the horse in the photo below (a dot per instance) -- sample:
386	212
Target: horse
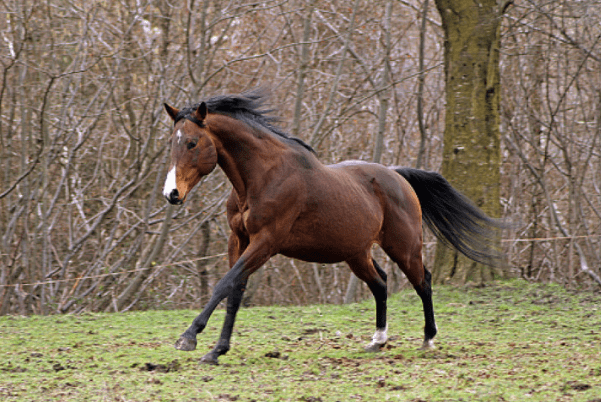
285	201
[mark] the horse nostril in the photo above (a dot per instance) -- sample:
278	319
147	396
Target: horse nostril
173	197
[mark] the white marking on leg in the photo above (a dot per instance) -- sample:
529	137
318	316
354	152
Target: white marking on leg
170	183
428	345
380	337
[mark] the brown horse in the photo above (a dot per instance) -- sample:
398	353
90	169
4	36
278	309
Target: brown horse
285	201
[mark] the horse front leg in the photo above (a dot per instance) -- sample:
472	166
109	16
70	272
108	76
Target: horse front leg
236	246
232	284
223	345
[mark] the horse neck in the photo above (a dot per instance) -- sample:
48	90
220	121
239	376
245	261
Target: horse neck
244	158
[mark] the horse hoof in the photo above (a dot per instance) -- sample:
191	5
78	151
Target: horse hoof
428	345
185	344
209	359
374	347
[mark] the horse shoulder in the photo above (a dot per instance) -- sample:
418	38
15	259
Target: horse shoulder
278	205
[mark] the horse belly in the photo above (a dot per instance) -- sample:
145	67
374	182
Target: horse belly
334	232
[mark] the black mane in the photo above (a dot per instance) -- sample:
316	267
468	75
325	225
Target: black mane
247	107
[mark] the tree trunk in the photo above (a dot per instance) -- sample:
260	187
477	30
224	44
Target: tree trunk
202	263
302	70
421	154
471	147
145	268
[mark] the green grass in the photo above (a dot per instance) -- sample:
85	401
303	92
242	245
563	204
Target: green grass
511	341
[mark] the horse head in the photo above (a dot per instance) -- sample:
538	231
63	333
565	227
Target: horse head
193	152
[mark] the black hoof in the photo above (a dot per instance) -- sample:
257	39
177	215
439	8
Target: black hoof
185	344
210	358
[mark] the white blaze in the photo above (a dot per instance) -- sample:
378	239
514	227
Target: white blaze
170	184
179	136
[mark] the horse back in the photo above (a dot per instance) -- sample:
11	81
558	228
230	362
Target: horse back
393	190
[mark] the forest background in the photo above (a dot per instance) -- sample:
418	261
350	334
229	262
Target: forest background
83	137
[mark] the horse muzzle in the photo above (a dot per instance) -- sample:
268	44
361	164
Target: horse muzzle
173	197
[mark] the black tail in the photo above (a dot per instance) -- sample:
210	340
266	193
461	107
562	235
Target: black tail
453	218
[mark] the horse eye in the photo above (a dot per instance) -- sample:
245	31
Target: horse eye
191	144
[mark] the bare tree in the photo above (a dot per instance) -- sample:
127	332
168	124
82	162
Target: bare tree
83	137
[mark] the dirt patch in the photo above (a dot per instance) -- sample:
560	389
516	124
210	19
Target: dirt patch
274	354
576	386
160	368
13	369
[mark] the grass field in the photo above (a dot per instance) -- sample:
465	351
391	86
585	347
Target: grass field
510	341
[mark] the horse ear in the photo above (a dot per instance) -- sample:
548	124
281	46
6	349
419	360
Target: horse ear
171	111
201	111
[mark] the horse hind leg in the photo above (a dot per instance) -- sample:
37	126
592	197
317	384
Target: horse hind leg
380	336
379	270
370	272
421	279
425	293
